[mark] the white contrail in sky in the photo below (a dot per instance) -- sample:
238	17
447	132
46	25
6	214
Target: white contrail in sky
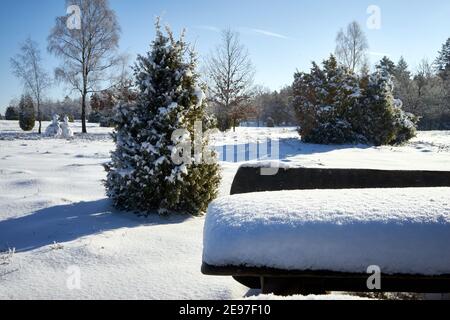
246	30
209	28
269	33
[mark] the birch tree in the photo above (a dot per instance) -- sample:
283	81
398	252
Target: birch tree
87	50
351	46
27	66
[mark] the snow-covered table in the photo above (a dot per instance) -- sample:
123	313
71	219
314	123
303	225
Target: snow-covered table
333	234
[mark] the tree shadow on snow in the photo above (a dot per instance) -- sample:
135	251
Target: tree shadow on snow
279	150
65	223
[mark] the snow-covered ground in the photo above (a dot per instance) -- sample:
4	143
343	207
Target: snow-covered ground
54	214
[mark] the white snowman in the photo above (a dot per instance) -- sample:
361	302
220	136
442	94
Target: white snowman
54	129
66	131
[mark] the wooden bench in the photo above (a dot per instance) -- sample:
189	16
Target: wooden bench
249	179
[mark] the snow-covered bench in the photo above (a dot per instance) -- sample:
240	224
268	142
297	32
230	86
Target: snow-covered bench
308	240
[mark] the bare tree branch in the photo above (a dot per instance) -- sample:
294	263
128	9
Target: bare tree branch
27	67
351	46
231	74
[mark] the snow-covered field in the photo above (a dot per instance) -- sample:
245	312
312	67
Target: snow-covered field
54	214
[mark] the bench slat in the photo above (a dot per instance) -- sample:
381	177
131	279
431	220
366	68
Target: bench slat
323	280
249	179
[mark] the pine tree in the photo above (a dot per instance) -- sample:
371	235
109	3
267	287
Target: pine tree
401	70
404	86
386	64
27	116
442	62
443	69
307	97
155	131
11	113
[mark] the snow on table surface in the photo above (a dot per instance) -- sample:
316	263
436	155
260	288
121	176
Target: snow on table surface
400	230
51	191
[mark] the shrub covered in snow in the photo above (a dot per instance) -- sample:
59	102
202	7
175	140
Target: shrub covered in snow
142	175
335	106
27	116
322	99
405	126
94	117
11	113
378	116
104	121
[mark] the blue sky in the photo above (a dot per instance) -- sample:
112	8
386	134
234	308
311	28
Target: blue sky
281	36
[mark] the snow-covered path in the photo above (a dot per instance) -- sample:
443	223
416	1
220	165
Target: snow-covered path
53	211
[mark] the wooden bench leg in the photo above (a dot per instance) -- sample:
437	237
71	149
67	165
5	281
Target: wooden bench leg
251	282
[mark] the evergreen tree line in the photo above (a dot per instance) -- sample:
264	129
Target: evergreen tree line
68	107
272	108
100	107
426	92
